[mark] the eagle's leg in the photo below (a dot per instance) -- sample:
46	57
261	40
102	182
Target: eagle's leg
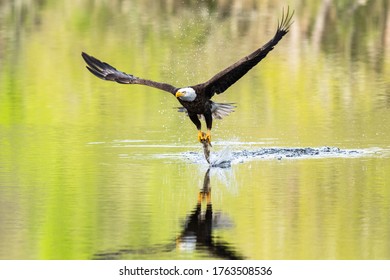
209	123
195	119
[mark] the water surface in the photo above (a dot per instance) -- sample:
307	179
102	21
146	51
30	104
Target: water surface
91	169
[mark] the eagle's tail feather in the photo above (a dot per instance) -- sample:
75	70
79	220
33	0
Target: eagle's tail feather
218	110
221	110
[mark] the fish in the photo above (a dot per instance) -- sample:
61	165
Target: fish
206	147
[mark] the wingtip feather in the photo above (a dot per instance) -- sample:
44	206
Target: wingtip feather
285	23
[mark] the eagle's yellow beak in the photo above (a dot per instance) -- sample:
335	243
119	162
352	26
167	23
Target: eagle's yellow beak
179	94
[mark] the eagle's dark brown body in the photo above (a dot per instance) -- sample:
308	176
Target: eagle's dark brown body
200	104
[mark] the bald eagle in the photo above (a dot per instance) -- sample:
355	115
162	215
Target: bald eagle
196	100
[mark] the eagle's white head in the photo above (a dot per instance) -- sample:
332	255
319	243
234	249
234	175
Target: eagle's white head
186	94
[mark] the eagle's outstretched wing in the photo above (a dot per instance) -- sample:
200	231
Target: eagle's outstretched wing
224	79
106	72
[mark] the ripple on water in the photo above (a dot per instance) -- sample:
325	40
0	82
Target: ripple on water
226	157
239	152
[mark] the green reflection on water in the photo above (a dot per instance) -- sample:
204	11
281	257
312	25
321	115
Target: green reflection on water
72	185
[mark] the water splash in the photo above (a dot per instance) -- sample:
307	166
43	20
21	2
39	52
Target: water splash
224	154
226	157
222	158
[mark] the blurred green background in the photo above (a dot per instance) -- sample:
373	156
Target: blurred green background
88	167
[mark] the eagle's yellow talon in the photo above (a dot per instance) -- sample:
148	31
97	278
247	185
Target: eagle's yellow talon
200	136
204	137
208	136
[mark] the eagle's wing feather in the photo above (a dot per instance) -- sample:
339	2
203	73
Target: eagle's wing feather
105	71
224	79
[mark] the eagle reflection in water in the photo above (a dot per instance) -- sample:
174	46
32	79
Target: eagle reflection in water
197	234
